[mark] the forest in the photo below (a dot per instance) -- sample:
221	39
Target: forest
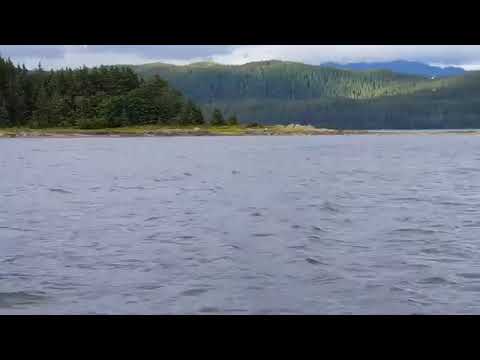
278	92
107	96
268	92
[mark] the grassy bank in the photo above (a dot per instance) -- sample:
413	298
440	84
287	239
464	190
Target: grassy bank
155	130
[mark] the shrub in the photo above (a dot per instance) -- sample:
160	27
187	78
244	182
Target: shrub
95	123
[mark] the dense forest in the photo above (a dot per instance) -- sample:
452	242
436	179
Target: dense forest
286	92
107	96
268	92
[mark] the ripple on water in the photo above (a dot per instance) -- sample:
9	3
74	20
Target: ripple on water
313	261
194	292
60	191
330	207
209	310
469	275
414	231
18	298
435	280
263	234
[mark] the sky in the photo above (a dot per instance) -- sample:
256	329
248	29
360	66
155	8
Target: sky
59	56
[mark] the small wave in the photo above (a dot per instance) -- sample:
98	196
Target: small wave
467	170
173	178
408	199
450	203
298	247
473	288
194	292
153	218
209	310
15	229
469	275
131	187
414	231
313	261
431	251
263	234
185	237
61	191
11	299
327	205
435	280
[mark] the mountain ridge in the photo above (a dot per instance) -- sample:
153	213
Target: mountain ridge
401	67
282	92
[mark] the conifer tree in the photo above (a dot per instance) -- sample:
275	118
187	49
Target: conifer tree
217	118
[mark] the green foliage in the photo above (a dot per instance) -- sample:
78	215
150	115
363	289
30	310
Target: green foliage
217	118
276	92
191	114
106	96
232	120
90	124
4	118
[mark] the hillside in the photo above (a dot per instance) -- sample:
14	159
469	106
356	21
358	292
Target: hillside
402	67
284	92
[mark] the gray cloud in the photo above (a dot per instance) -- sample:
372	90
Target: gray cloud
56	56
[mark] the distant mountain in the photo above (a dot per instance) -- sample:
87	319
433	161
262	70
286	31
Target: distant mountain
401	67
287	92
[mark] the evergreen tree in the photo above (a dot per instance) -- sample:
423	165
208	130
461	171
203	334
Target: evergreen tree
4	118
232	120
217	118
191	115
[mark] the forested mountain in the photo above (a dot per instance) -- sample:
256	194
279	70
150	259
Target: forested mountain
285	92
107	96
402	67
265	92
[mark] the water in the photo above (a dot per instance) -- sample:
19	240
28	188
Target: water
362	224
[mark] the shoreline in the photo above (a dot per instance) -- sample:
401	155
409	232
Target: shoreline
156	131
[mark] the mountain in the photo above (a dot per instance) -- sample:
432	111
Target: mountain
286	92
402	67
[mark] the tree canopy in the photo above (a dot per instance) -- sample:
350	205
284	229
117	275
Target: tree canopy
106	96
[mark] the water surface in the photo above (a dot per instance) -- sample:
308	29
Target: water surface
362	224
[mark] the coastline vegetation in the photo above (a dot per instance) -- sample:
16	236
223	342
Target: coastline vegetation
88	99
163	130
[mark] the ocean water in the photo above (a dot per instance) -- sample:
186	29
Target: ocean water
363	224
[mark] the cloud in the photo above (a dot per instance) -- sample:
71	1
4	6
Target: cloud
57	56
317	54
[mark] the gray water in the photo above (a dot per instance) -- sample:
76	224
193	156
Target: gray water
240	225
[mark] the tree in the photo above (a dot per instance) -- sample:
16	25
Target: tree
197	116
217	118
4	118
191	114
232	120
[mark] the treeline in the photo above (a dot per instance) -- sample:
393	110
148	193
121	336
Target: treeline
275	92
209	82
106	96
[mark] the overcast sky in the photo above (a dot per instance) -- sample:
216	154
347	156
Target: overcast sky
57	56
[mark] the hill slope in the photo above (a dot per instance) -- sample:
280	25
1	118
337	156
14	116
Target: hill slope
402	67
284	92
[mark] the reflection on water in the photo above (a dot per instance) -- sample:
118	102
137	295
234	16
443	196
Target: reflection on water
247	225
